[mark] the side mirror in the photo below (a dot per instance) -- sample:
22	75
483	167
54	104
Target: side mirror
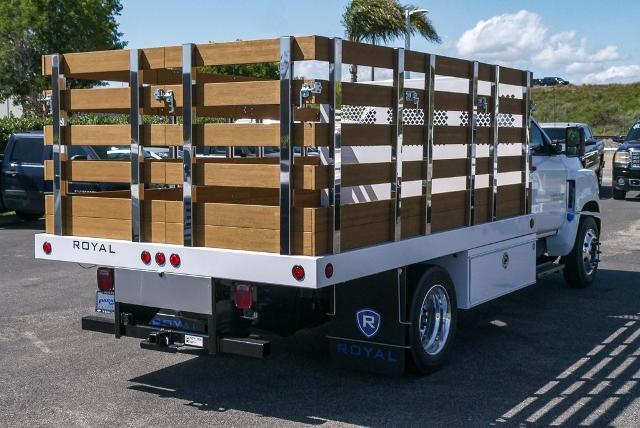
575	141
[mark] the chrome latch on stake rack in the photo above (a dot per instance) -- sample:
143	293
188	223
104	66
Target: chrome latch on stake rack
167	97
483	104
307	89
412	97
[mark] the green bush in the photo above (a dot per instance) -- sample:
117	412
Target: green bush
10	125
608	109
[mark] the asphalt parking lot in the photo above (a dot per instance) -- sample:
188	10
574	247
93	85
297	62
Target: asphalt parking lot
545	355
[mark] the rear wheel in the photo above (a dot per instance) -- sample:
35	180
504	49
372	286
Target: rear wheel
581	264
433	320
619	194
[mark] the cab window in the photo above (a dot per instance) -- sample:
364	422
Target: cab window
28	150
537	140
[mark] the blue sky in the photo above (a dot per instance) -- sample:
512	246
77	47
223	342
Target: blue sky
579	40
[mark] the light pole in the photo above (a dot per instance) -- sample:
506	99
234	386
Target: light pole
407	37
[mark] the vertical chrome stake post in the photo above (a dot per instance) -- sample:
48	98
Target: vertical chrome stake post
493	184
136	148
335	137
286	147
525	146
188	152
427	143
396	145
471	148
58	84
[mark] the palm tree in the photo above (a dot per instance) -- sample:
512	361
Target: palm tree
381	21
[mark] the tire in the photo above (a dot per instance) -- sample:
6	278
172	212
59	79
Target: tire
581	264
28	216
619	195
433	288
599	176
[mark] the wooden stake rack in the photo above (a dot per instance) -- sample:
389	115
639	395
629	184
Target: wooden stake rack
293	203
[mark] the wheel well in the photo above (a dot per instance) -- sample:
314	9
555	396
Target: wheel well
592	206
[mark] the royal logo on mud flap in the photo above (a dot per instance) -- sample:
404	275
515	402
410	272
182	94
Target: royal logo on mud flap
368	322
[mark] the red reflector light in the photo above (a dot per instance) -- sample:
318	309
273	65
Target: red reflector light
105	279
174	259
145	256
243	296
46	247
298	272
328	270
160	259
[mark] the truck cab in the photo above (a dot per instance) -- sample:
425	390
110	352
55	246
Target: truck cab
563	191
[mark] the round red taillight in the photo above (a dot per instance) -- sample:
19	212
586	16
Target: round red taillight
328	270
145	256
46	247
298	272
160	259
174	259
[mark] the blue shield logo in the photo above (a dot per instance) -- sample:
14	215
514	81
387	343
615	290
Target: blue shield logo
368	322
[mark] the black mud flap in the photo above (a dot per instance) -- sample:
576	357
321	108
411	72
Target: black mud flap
367	330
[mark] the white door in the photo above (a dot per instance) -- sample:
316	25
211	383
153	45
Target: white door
549	183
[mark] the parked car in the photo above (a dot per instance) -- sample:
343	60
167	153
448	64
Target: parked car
594	148
550	81
22	186
626	164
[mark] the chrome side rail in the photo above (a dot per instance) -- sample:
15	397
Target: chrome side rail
188	152
286	148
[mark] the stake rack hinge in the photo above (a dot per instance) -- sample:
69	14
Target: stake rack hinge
412	97
307	90
167	97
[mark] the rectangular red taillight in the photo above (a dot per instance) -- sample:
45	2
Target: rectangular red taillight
105	279
243	296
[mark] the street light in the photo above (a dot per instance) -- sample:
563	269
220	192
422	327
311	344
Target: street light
407	37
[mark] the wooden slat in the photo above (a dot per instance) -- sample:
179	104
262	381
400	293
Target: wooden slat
357	94
511	135
366	54
511	105
366	135
356	134
451	101
446	66
263	92
102	64
509	163
460	135
512	76
446	168
448	210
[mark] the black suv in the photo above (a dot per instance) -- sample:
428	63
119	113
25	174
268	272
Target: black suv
22	184
550	81
626	164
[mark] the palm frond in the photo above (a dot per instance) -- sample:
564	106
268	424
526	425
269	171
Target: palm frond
382	21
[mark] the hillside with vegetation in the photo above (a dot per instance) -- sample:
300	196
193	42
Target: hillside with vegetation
609	109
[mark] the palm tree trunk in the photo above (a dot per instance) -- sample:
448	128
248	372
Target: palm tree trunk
354	72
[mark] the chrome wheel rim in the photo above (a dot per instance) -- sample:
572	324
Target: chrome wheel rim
435	320
590	252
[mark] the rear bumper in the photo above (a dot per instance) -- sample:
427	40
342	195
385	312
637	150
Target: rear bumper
175	340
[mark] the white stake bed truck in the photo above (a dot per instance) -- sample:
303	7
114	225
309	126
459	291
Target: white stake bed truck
424	197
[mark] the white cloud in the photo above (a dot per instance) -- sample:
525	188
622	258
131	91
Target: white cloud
521	39
505	37
615	74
